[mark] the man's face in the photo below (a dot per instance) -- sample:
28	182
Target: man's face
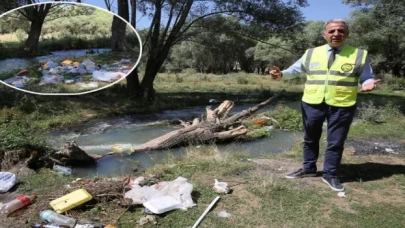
335	34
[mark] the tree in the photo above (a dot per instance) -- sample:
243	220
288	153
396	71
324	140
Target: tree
118	27
172	19
377	26
213	45
36	15
278	53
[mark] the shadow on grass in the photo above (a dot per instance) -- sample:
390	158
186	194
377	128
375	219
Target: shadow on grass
368	171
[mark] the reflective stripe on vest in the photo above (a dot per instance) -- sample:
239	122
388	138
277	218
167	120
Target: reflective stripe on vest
338	85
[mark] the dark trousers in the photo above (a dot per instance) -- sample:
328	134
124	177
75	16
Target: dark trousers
338	122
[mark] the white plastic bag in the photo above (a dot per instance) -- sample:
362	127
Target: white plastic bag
7	181
107	76
164	196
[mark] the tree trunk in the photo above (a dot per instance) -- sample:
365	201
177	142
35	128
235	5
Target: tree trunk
133	85
218	126
133	13
153	65
118	41
31	45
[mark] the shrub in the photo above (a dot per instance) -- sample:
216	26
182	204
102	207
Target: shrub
287	118
368	112
395	83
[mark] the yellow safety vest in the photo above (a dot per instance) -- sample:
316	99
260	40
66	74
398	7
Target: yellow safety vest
338	85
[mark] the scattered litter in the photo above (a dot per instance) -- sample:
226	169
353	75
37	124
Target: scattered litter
50	79
212	101
125	60
89	223
268	128
107	76
70	200
22	72
67	62
280	169
69	81
162	204
341	194
16	204
388	150
224	214
7	181
55	218
87	85
122	148
90	65
48	225
139	180
77	180
206	211
62	169
163	196
147	219
221	187
17	81
260	122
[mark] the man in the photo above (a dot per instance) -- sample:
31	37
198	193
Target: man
333	73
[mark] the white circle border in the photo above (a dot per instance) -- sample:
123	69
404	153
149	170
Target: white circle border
91	91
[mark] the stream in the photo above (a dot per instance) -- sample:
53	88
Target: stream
103	136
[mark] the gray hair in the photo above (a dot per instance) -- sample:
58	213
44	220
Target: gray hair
336	21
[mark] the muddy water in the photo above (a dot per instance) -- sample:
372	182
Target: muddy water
14	64
121	134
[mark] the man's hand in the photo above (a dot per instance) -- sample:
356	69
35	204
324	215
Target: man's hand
370	86
275	73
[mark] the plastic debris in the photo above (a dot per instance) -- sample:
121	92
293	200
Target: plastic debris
55	218
16	204
125	60
221	187
7	181
206	211
147	219
224	214
163	196
70	200
87	85
62	169
17	81
341	194
90	65
107	76
50	79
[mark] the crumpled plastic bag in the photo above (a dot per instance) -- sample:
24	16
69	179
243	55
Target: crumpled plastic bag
17	81
50	79
164	196
7	181
107	76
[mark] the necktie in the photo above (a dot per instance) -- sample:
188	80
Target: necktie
331	57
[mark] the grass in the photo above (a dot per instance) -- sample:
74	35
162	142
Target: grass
260	196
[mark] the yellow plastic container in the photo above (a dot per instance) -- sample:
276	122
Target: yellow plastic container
70	200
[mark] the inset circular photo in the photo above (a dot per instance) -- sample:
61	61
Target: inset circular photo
65	48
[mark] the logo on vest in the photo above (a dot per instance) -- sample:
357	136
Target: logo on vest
314	65
347	67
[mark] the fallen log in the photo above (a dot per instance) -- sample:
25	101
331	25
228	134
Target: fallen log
217	126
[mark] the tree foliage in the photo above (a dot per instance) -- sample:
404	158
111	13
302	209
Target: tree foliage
377	25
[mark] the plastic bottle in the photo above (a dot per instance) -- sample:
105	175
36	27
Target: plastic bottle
62	169
16	204
49	226
57	219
